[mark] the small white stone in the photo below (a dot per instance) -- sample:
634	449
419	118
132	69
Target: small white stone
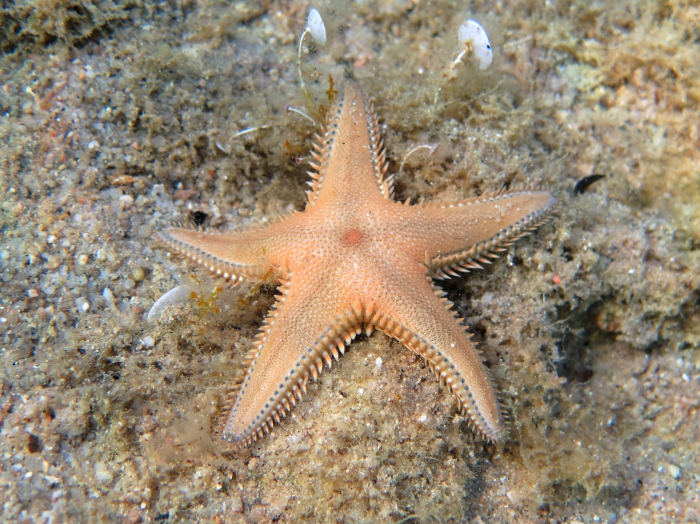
675	471
378	362
148	341
514	497
236	504
315	26
82	304
473	35
102	473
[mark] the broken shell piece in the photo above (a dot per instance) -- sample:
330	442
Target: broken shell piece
473	36
314	24
314	27
178	295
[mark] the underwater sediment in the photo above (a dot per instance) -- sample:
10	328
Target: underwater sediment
117	121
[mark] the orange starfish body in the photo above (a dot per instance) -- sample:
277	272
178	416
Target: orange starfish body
355	260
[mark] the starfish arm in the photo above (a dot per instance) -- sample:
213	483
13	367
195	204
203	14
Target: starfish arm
460	235
420	319
350	161
234	255
309	326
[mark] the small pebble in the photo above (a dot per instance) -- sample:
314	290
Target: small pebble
138	274
514	497
133	517
102	473
236	504
674	471
184	194
82	304
32	293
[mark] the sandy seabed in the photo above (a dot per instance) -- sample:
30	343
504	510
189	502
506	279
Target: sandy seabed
116	119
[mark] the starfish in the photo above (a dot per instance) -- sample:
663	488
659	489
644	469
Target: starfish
355	260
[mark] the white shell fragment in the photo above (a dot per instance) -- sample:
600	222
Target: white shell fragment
315	26
473	36
178	295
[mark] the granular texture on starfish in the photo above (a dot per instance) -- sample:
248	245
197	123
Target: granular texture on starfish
355	260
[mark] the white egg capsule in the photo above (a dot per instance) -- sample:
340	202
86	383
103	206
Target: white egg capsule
314	24
473	36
